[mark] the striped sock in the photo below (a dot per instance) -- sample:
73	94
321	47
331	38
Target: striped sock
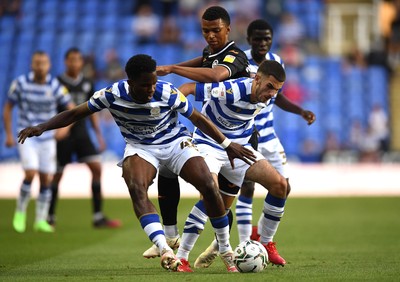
24	197
273	211
43	203
194	225
221	229
152	226
244	214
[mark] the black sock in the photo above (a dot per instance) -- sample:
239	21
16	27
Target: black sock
230	218
168	199
53	201
96	197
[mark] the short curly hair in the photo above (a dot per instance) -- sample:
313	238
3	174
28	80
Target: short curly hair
139	64
259	24
216	12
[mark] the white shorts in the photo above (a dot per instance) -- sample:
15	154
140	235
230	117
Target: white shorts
38	155
218	162
173	155
274	153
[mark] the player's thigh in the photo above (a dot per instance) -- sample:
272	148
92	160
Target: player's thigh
238	175
139	165
196	172
264	173
138	172
277	158
184	159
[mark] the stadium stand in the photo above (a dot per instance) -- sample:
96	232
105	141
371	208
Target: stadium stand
337	95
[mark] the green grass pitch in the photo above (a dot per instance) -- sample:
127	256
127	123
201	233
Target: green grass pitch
322	239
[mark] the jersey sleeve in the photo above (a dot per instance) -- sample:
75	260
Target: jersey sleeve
14	92
63	96
204	91
101	99
180	103
235	62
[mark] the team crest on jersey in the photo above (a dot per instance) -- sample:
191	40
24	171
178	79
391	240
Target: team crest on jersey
229	59
155	112
219	93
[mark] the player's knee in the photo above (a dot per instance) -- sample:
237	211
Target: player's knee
96	171
288	188
280	187
209	189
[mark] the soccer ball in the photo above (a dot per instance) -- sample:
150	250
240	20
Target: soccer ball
250	256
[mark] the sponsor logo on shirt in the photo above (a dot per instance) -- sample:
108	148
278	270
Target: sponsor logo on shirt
229	59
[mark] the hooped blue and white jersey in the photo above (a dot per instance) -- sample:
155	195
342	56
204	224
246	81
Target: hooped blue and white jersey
37	103
227	104
153	123
265	119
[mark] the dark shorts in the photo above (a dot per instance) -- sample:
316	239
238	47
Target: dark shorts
82	148
227	188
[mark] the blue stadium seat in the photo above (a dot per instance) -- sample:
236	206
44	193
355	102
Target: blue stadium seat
108	21
88	23
48	7
377	87
70	6
29	8
45	41
8	24
66	39
67	21
47	22
86	41
89	7
27	22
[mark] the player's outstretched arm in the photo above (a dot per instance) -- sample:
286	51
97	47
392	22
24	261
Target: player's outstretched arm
285	104
60	120
309	116
233	149
166	69
188	88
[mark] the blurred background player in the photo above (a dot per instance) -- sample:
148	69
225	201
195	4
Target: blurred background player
221	60
37	95
77	141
